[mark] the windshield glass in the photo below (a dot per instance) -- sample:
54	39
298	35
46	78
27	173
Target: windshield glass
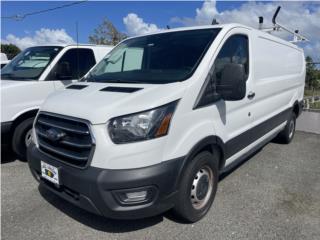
159	58
30	63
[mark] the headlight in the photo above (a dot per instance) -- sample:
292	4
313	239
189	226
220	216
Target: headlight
143	125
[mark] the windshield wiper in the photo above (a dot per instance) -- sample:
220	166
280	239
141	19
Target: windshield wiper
86	79
119	81
115	80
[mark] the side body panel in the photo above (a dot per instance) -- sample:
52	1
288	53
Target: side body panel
279	76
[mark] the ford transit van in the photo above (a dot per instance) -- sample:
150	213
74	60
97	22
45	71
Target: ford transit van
152	126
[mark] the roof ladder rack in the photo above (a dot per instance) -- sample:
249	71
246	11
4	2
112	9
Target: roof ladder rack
297	37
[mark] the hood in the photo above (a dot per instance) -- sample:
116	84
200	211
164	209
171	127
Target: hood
98	102
15	83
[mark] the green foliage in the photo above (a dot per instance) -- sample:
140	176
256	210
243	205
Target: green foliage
315	105
107	34
312	75
10	50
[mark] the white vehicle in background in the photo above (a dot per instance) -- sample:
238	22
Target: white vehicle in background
31	76
4	60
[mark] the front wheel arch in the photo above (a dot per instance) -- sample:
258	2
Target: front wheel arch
22	117
212	144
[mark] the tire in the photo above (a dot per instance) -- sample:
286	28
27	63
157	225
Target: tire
187	208
21	138
287	134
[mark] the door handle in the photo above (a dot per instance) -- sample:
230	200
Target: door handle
251	95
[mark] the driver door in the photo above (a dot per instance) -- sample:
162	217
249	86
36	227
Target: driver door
235	116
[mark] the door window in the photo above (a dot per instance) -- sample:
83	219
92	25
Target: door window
234	50
74	64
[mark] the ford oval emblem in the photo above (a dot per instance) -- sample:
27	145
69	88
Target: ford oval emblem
55	135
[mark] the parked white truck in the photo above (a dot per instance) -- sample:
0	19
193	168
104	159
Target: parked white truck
151	127
30	77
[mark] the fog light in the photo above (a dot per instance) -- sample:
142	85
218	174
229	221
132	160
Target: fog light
136	195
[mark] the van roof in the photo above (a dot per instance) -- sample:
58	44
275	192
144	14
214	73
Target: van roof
226	26
74	45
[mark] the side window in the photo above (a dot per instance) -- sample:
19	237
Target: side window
234	50
74	64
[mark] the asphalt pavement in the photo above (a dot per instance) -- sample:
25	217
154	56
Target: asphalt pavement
274	194
309	122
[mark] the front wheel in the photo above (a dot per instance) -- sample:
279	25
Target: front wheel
198	187
22	138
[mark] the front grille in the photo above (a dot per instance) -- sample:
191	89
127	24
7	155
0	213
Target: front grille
64	138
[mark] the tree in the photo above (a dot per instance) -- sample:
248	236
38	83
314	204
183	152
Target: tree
10	50
312	74
107	34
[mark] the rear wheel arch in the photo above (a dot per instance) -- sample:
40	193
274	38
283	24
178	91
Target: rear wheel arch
296	108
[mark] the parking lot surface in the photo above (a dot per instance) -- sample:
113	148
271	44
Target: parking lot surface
275	194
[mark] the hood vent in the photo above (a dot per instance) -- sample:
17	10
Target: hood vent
77	87
120	89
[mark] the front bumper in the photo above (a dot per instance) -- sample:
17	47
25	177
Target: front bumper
93	189
6	132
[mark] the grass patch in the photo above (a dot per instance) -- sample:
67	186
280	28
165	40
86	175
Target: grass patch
315	105
309	93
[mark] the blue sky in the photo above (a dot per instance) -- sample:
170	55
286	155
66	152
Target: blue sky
136	18
90	14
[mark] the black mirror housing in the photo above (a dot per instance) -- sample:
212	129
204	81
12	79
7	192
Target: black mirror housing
232	86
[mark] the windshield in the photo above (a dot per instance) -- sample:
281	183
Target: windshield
159	58
30	63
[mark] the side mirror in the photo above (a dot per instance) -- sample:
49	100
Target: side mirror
64	71
232	86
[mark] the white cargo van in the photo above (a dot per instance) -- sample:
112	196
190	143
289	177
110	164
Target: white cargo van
152	127
30	77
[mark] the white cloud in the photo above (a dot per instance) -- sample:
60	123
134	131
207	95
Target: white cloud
294	15
313	50
42	36
136	26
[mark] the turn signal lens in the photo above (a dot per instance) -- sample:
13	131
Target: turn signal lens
164	126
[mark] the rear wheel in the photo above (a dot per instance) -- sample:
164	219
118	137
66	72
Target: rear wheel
198	187
22	138
287	134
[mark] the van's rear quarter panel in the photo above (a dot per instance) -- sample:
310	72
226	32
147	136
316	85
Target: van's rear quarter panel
278	76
